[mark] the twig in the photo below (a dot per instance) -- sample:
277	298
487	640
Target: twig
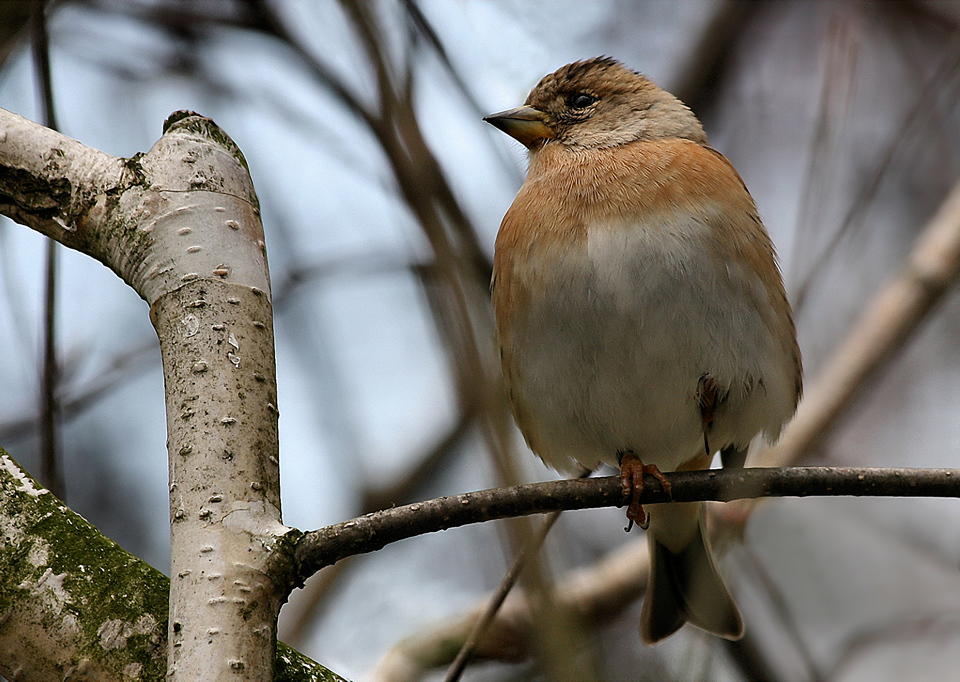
781	611
893	316
462	308
593	594
75	400
496	601
49	402
507	583
837	88
369	533
709	53
918	117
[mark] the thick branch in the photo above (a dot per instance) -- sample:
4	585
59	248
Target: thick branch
181	225
153	219
372	532
74	604
51	182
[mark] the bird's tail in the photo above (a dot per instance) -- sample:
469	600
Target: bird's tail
685	585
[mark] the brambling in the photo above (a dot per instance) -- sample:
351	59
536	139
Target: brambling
640	312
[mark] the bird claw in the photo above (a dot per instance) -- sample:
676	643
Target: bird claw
632	470
641	526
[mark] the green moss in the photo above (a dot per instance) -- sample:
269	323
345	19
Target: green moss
101	581
115	597
203	127
292	666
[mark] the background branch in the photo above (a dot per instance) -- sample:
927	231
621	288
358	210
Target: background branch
891	319
49	416
376	361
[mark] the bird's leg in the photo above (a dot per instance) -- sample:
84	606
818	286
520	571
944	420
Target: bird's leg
631	482
707	398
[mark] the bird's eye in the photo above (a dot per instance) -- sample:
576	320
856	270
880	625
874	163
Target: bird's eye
580	100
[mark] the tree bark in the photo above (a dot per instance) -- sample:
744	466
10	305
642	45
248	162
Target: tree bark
181	225
75	605
371	532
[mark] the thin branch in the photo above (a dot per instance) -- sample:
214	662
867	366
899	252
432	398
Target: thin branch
594	595
77	399
890	320
781	611
462	307
49	417
696	83
496	600
751	662
50	465
499	596
425	30
917	118
374	531
837	88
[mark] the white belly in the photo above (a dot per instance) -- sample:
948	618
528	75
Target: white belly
609	354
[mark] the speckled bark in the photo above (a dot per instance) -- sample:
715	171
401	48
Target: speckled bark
74	605
207	282
219	373
181	225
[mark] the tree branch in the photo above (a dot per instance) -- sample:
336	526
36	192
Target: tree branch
889	321
50	376
369	533
60	618
181	225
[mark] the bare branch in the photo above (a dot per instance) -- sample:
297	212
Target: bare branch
595	594
49	384
921	115
479	629
374	531
886	325
76	398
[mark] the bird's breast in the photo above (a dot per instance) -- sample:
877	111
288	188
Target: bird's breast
610	311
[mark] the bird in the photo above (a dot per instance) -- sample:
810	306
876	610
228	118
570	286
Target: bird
640	313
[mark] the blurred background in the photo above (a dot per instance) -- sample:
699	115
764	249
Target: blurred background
382	191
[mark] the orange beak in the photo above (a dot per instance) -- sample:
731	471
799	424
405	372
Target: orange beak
525	124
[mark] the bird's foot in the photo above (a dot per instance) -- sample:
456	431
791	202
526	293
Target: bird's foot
631	482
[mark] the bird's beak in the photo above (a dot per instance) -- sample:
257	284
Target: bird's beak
525	124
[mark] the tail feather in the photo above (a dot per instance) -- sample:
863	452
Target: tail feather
685	586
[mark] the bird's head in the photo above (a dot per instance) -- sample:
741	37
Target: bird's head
595	104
